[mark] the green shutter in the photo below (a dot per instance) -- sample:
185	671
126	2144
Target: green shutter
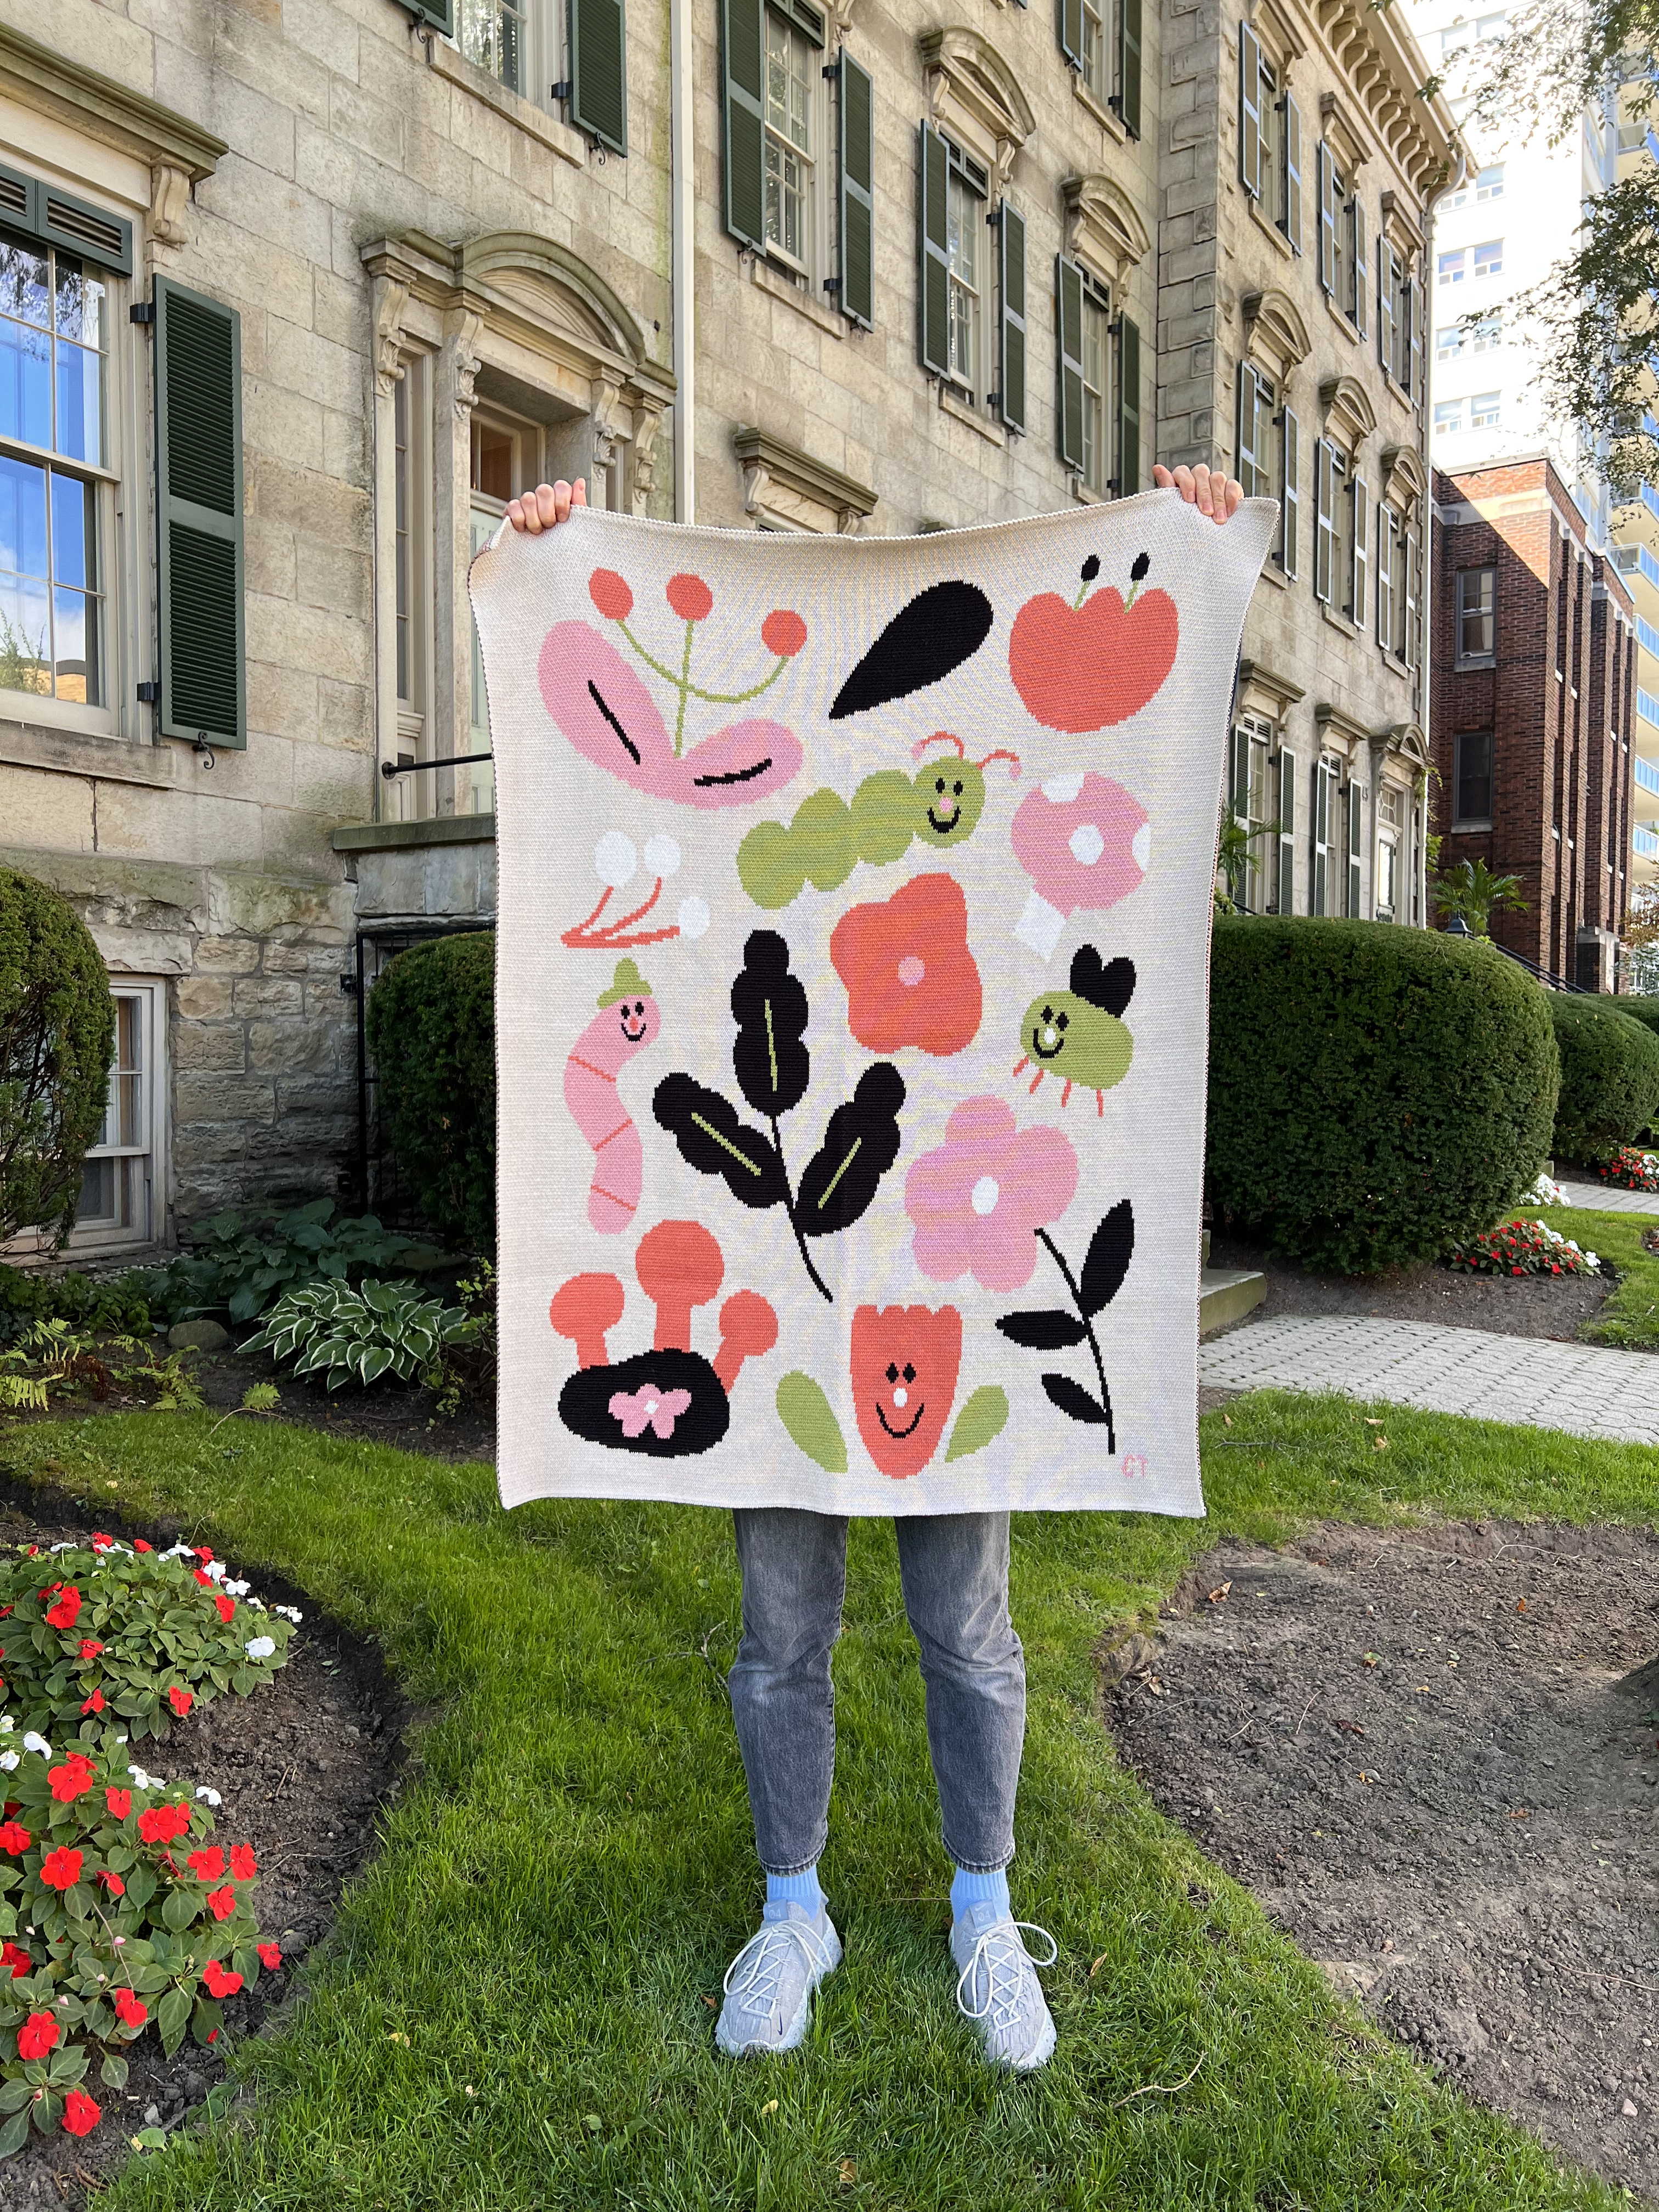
1362	283
1292	222
934	334
599	71
31	208
1250	423
1249	111
198	512
1286	832
1127	102
1010	234
1386	280
1068	324
1411	348
1356	831
857	221
1324	523
742	83
439	14
1127	480
1289	493
1071	32
1387	539
1360	540
1326	220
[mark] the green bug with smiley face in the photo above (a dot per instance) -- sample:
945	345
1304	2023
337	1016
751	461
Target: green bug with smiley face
1076	1034
828	836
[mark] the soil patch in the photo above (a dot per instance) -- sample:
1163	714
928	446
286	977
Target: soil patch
401	1413
1530	1305
1434	1757
303	1767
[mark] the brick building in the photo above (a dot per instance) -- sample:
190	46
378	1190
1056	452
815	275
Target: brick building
1533	649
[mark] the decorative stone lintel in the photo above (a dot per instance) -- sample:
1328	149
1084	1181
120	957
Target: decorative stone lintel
968	78
1256	681
1341	731
779	480
1405	483
1103	227
1351	142
1275	335
97	106
1403	224
1349	415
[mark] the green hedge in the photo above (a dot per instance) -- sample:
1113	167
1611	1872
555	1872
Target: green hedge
432	1031
57	1039
1640	1009
1609	1075
1376	1093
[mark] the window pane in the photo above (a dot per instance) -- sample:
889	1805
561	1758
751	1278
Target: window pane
492	460
80	410
1489	185
74	528
1489	258
1449	342
1453	267
23	287
75	646
22	518
1449	415
24	384
1484	411
24	636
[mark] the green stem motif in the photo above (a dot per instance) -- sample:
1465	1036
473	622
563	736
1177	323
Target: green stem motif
1083	593
682	682
680	679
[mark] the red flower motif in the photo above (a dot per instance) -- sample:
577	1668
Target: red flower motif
14	1959
72	1780
209	1863
113	1883
119	1802
269	1955
690	597
81	2115
63	1614
15	1838
37	2035
222	1902
60	1869
243	1864
139	1545
218	1981
910	978
94	1704
90	1647
610	595
227	1606
132	2012
181	1700
784	632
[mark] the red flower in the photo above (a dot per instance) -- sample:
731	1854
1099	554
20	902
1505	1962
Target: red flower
181	1700
72	1780
203	1553
209	1863
610	595
206	1581
81	2115
113	1883
163	1822
100	1543
219	1982
119	1802
63	1614
94	1704
690	597
16	1960
784	632
910	974
270	1955
243	1864
15	1838
221	1903
37	2035
227	1606
139	1545
60	1869
90	1647
132	2012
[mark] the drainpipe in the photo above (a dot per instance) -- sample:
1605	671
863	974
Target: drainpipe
1426	586
682	212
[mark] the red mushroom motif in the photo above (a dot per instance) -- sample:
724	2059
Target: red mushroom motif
748	1328
679	1266
583	1310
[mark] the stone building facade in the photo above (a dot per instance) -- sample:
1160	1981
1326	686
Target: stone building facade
1535	675
349	272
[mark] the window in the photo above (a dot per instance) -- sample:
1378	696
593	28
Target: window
1334	525
1489	258
1390	815
1269	139
1477	618
1452	268
118	1203
1251	781
412	409
1390	580
1357	549
495	34
1285	886
1456	41
1486	335
1288	459
1489	184
1471	780
791	75
1399	337
965	263
1449	342
1096	69
1325	773
1098	412
1484	411
1097	470
1448	417
1255	408
1491	28
54	335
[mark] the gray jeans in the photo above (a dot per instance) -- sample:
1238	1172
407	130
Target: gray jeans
954	1567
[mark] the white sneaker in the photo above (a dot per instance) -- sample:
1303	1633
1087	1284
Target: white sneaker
769	1984
998	1986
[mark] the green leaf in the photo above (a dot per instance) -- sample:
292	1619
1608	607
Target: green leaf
983	1418
206	2020
179	1909
68	2066
172	2018
14	2134
13	2092
46	2113
114	2072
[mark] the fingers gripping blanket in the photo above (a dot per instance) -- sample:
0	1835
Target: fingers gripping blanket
851	1005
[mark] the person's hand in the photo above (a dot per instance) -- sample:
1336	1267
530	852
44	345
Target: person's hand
533	512
1213	493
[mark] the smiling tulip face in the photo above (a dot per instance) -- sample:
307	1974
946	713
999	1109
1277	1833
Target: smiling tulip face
905	1363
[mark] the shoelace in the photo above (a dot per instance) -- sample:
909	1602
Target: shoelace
1005	1956
769	1945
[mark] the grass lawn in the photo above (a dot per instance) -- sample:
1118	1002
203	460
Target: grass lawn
564	1881
1630	1316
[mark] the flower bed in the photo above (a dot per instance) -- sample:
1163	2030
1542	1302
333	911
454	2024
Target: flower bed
1631	1168
1521	1248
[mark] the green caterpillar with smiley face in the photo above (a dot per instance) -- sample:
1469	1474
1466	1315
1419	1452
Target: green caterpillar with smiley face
827	837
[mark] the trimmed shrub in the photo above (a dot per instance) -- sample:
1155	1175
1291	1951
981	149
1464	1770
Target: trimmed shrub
1609	1076
432	1031
57	1036
1639	1008
1376	1094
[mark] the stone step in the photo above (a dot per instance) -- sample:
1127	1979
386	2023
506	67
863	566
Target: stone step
1227	1294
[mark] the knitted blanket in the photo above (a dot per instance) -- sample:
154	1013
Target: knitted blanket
851	1005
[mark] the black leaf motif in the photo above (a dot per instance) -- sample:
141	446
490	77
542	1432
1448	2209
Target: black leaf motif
1108	985
714	1141
1110	1249
1053	1329
860	1145
1072	1398
774	1067
929	636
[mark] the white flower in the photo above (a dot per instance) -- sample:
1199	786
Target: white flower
179	1552
260	1647
290	1612
216	1570
212	1797
236	1589
7	1723
258	1604
35	1741
65	1547
9	1761
140	1780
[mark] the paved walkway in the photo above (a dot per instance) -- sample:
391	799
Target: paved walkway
1606	1198
1584	1389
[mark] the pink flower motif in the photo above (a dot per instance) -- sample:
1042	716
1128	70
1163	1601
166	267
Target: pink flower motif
649	1407
978	1201
1085	841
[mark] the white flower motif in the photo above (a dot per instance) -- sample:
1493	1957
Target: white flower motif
35	1741
260	1647
211	1796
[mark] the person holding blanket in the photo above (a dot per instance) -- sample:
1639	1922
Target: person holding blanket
954	1569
